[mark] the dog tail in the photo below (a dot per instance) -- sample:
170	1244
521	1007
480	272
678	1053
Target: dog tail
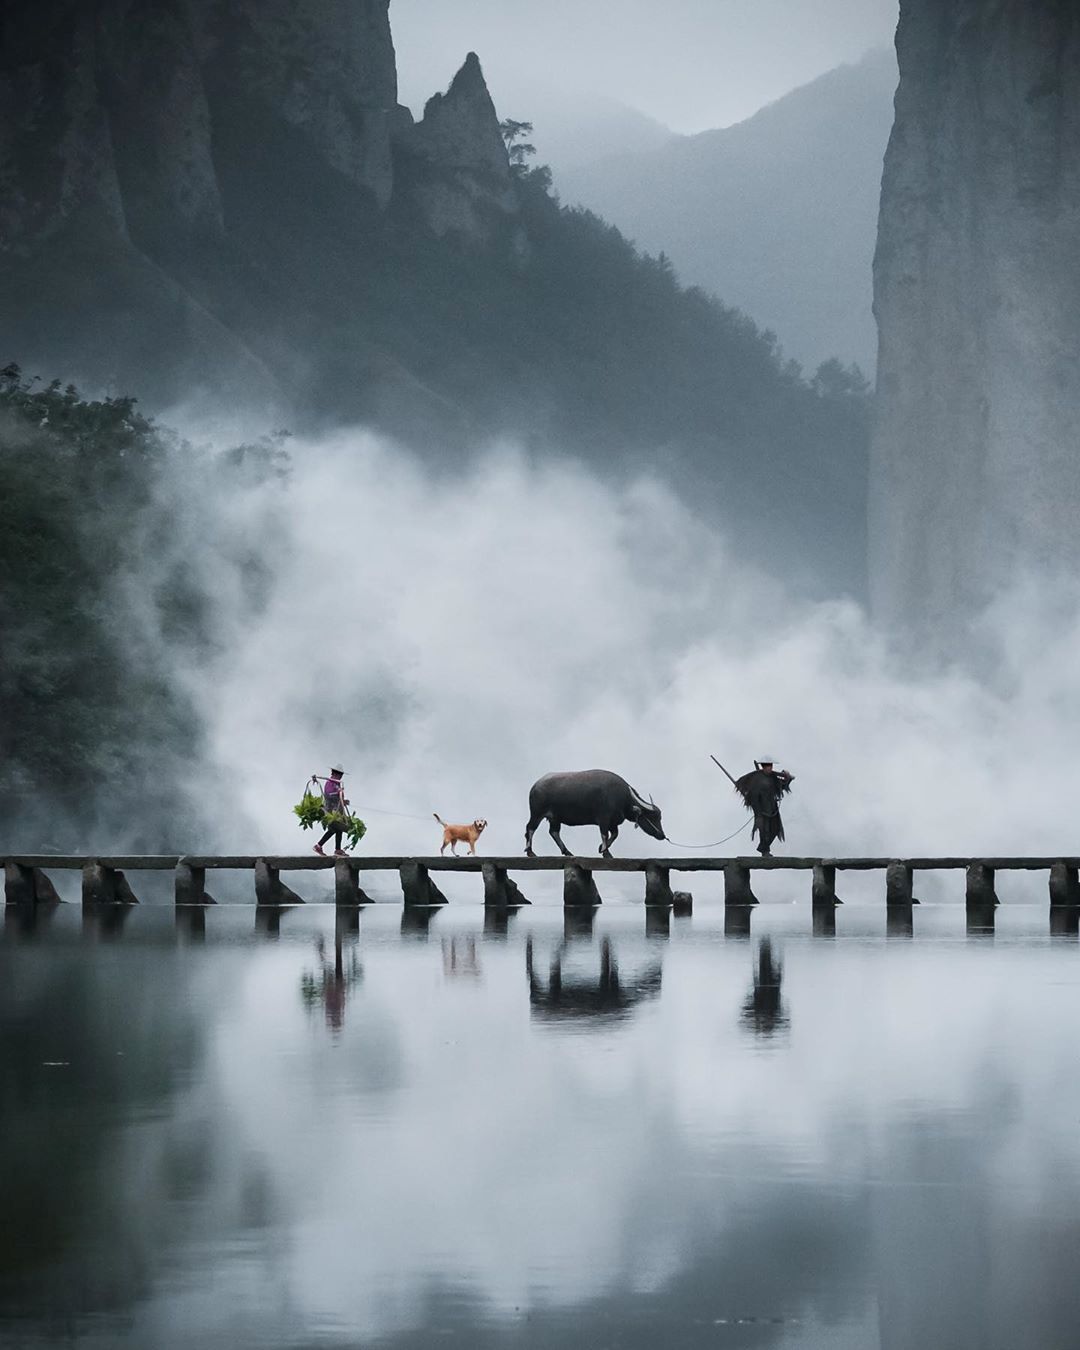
439	819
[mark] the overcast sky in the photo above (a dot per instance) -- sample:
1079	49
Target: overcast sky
692	64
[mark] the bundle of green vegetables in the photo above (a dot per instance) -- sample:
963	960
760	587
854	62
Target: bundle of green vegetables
311	811
354	828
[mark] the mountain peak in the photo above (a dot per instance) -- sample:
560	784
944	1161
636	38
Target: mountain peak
460	129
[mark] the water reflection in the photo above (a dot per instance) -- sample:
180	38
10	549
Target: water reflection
188	1158
104	922
26	921
191	923
497	920
329	985
587	994
737	920
823	918
268	920
900	921
416	919
981	917
579	921
764	1012
658	921
461	959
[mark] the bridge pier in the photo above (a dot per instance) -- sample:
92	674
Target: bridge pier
19	885
269	887
417	886
500	890
347	891
980	885
190	885
103	885
823	890
980	899
28	886
737	885
658	885
579	887
899	884
1064	886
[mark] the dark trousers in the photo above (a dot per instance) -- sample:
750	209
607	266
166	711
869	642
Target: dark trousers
768	829
337	831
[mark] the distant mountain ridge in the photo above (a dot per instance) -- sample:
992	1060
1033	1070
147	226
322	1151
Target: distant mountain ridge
572	129
776	215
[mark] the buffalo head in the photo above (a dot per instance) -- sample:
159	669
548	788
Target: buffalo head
646	815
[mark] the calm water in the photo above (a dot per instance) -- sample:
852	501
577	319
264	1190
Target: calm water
594	1136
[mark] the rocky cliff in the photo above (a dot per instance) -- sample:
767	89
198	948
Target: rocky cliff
149	150
220	204
976	464
108	104
464	171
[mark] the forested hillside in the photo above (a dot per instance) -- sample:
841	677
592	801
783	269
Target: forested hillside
104	607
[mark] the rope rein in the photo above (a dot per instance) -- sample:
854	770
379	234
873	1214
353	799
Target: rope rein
743	826
406	815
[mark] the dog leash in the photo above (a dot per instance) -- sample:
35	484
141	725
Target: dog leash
401	815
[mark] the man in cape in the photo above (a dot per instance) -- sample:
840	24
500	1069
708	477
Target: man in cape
761	791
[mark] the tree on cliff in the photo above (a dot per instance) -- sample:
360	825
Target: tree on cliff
517	148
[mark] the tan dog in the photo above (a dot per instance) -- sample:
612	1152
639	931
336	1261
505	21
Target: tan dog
460	834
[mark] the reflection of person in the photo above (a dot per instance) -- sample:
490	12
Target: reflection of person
334	803
762	791
459	958
763	1010
331	986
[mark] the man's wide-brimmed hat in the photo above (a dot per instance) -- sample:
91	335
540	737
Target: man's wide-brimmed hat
765	759
336	768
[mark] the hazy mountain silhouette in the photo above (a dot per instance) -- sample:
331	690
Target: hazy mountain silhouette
777	215
573	128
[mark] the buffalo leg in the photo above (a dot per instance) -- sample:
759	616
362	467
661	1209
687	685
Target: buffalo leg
530	830
607	838
554	826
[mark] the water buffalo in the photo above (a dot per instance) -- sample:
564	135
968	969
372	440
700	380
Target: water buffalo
591	797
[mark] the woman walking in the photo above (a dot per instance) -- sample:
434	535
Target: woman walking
334	804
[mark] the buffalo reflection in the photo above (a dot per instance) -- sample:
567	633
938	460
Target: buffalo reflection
764	1012
604	997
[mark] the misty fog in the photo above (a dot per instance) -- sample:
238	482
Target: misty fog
452	636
